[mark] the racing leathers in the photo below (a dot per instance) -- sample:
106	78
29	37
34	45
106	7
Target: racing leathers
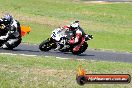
75	38
12	37
77	35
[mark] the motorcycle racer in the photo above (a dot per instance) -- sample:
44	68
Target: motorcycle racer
69	38
12	33
76	38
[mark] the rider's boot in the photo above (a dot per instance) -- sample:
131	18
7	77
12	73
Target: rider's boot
59	46
65	46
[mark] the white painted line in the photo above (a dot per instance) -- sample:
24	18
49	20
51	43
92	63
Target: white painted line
62	58
8	54
35	56
80	59
27	55
17	54
47	56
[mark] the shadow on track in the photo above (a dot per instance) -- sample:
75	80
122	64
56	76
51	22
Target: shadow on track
69	53
86	55
26	50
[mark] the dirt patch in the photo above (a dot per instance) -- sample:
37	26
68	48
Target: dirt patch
97	2
37	19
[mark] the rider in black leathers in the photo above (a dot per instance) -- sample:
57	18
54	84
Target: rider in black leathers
10	32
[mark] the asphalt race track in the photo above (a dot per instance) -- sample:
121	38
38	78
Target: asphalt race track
88	55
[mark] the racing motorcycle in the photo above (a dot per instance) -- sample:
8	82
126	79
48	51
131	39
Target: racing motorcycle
57	35
24	30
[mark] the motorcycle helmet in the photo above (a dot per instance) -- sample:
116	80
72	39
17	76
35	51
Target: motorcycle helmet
8	18
74	25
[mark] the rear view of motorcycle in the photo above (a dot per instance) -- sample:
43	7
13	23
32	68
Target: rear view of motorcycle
59	37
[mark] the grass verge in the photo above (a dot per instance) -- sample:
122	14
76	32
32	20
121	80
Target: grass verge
49	72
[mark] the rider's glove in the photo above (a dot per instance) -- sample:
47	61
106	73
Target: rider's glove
90	36
2	26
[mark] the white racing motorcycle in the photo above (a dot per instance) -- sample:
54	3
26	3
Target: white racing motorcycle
57	35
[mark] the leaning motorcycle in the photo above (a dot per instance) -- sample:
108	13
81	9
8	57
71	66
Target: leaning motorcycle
56	36
24	30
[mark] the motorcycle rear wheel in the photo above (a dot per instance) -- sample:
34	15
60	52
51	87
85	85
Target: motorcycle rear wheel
81	50
11	46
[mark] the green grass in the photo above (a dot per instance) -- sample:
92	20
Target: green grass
37	37
109	23
49	72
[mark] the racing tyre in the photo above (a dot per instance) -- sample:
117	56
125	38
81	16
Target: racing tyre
82	49
10	47
45	46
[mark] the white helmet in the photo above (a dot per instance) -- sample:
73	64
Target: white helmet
74	24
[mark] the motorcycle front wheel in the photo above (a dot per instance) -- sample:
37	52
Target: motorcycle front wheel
47	45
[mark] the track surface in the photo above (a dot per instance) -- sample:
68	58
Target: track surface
89	54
